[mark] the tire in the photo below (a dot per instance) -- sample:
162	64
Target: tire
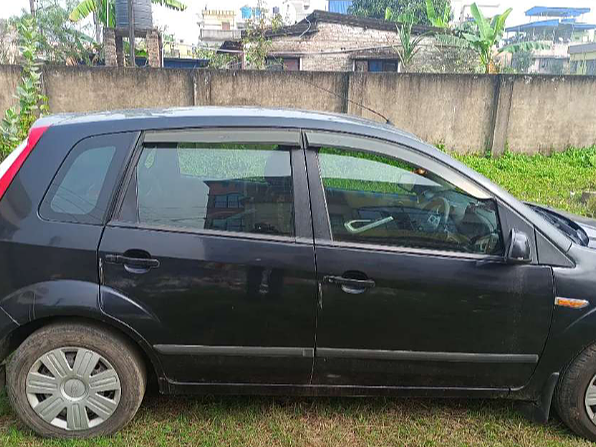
93	405
570	394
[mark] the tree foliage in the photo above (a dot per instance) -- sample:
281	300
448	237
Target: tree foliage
104	11
255	41
17	122
61	41
217	61
487	34
8	42
416	8
409	44
438	19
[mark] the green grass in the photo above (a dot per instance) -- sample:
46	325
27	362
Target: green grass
263	421
556	180
163	421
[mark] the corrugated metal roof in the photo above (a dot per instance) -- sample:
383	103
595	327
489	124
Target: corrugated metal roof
556	11
553	23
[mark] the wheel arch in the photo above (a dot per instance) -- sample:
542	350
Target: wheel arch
152	364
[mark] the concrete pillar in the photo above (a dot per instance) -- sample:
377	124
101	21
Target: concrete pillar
500	115
153	50
120	51
109	45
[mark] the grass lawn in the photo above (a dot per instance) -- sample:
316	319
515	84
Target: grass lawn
557	181
325	422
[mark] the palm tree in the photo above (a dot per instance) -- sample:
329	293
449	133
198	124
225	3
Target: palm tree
104	11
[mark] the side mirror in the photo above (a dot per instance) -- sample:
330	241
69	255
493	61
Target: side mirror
518	250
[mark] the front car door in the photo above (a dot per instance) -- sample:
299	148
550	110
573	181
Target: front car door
210	255
414	290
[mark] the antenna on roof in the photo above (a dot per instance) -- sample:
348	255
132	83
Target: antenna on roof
346	98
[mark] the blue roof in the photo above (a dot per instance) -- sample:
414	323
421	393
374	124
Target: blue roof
556	12
340	6
552	23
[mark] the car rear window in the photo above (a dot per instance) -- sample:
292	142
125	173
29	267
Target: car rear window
244	188
82	188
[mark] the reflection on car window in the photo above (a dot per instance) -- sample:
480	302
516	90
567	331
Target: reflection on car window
226	187
376	199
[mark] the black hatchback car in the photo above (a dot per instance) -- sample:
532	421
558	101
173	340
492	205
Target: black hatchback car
244	250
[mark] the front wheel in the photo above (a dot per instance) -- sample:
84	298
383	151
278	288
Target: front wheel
75	380
575	396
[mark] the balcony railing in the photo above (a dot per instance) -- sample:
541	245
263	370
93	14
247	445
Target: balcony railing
220	34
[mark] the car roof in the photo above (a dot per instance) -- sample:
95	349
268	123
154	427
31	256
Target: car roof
169	118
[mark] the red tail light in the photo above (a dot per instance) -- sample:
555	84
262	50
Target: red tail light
11	165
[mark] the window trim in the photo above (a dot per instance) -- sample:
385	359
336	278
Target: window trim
218	135
119	163
320	210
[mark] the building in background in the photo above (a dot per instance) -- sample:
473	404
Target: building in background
327	41
294	11
582	59
216	26
560	28
178	49
462	12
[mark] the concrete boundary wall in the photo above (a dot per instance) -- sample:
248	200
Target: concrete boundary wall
465	113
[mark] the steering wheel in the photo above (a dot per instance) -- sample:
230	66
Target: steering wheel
438	212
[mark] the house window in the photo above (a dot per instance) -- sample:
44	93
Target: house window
382	65
225	26
376	65
283	63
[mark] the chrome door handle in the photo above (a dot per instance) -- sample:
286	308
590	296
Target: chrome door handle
137	262
350	285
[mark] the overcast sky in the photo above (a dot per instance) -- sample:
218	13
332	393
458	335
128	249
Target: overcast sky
184	24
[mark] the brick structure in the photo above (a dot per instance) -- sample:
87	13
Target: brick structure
326	41
153	49
114	47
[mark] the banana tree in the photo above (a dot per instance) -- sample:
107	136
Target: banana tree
488	34
104	11
438	21
409	44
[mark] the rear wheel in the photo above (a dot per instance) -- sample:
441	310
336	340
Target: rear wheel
74	380
575	396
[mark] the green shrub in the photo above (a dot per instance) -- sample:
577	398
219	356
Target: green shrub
32	103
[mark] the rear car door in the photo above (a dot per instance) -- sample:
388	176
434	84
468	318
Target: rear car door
414	290
211	246
51	221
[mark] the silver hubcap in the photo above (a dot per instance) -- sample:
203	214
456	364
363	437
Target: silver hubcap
590	400
73	388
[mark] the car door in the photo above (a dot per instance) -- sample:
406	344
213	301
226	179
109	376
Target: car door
414	290
210	255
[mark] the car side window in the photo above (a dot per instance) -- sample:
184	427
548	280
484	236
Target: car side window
376	199
81	190
230	187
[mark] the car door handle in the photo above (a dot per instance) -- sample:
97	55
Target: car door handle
147	263
350	285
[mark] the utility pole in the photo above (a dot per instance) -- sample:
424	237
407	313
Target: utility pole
32	7
131	33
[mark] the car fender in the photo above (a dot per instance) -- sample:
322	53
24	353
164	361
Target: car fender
70	298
